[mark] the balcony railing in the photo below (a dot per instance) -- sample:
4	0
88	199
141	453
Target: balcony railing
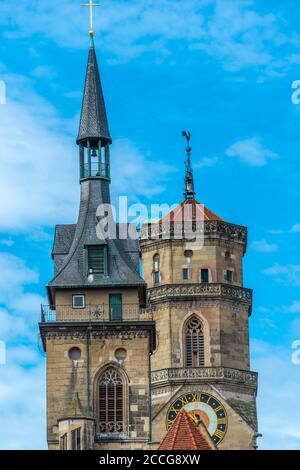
202	374
95	313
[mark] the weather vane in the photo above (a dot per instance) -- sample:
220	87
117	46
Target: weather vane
91	5
187	135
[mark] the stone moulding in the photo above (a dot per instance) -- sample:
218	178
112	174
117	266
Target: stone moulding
171	291
202	374
207	228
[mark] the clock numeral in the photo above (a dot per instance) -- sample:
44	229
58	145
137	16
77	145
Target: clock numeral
219	408
184	401
222	421
173	410
219	434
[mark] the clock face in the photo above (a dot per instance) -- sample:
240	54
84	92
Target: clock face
201	406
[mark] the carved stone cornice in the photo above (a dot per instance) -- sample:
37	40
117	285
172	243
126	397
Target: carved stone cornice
187	375
94	330
199	291
209	229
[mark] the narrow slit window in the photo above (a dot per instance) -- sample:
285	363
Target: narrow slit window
204	276
185	274
76	439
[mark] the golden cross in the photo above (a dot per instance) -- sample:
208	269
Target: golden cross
91	5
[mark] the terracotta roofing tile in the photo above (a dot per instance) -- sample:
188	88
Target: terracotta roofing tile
190	209
185	434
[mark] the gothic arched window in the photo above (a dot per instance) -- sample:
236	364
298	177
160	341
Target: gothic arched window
194	343
111	402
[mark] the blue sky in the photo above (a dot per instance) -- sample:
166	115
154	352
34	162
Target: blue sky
222	69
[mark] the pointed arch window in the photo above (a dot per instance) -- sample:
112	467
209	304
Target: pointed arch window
194	343
111	402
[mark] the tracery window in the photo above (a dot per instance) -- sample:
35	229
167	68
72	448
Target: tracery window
194	343
111	402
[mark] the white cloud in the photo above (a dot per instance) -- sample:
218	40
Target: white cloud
44	71
251	151
289	274
278	382
294	307
295	228
262	246
7	242
22	403
38	160
137	175
206	162
22	378
232	31
39	164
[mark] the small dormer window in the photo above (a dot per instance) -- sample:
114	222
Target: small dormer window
96	260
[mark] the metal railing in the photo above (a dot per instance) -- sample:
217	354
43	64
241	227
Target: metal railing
94	169
94	313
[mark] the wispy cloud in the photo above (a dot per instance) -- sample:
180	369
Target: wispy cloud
278	380
206	162
262	246
41	159
232	31
251	151
149	176
22	378
289	274
294	229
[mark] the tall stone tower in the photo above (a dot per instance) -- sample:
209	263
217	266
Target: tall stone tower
96	332
201	310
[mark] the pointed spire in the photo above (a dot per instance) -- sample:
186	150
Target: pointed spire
93	120
189	192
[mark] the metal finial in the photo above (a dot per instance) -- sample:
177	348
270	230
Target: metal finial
189	192
91	5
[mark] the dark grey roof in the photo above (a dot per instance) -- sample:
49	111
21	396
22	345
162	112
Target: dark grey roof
93	120
123	255
63	238
247	410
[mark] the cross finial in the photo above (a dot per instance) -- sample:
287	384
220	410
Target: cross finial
91	5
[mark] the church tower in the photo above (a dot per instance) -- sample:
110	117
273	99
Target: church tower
97	332
201	310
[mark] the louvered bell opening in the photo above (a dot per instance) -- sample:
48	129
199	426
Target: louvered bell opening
111	408
96	259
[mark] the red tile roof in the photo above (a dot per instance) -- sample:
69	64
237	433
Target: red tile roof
185	434
190	209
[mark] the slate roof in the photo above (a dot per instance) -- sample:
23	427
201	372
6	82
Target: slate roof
123	255
64	235
246	410
185	434
93	119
